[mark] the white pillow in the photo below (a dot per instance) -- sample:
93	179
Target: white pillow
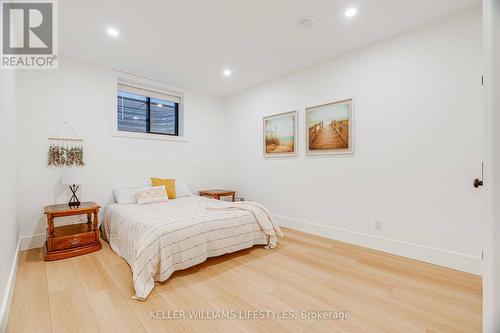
181	189
125	196
149	195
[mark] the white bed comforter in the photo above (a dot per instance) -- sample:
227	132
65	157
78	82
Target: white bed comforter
158	239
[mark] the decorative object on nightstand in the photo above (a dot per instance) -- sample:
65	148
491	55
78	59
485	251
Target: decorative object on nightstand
73	178
75	239
217	194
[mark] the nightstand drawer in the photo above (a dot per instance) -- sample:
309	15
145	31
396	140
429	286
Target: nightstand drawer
73	241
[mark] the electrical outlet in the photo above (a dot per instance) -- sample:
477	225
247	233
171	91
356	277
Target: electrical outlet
379	225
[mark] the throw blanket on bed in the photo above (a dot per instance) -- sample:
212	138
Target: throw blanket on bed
262	215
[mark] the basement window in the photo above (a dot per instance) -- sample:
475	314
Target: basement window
147	113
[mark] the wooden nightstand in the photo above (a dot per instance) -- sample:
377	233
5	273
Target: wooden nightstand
216	194
74	239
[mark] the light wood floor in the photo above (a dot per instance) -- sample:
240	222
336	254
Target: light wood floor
383	293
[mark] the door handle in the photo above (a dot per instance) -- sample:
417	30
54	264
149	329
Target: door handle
480	182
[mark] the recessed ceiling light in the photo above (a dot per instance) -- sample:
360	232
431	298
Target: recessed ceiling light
113	32
351	12
227	72
307	22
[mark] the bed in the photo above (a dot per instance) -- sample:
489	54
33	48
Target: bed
160	238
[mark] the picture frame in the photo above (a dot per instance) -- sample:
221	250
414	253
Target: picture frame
330	128
279	134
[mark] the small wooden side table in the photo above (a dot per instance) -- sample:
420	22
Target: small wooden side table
75	239
216	194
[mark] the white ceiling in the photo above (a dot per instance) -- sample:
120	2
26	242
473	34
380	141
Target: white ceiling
188	42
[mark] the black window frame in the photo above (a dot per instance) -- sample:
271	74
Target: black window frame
148	117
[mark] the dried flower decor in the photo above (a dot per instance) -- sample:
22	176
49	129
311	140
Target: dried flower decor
65	152
64	156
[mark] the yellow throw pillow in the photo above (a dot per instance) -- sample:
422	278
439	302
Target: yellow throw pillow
168	183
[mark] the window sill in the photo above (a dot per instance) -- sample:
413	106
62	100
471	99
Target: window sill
148	136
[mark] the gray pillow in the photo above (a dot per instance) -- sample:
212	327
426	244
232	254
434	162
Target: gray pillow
181	189
125	196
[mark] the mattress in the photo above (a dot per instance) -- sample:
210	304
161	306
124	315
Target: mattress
161	238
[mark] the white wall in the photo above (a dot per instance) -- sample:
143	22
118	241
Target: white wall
8	207
491	276
419	144
85	95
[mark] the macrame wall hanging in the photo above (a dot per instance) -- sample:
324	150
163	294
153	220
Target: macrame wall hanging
65	152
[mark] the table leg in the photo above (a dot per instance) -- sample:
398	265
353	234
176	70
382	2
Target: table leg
50	229
89	221
96	226
234	197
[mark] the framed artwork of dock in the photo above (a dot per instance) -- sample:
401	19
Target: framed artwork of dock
330	128
280	135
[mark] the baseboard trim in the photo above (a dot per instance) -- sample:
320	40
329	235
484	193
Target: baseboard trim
9	291
441	257
32	242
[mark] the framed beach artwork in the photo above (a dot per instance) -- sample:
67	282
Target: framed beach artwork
330	128
280	135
